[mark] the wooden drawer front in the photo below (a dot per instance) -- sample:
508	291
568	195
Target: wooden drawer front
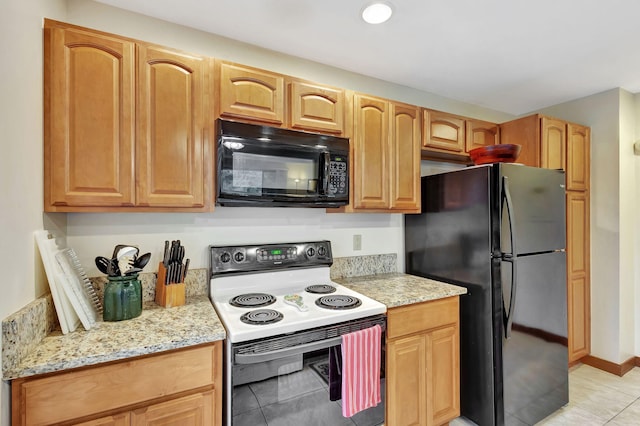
420	317
76	394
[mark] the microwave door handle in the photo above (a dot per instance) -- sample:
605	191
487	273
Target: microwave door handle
325	177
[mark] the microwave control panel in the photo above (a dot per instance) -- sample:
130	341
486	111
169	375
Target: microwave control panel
338	175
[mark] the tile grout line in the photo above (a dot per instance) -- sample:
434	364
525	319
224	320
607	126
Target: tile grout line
621	411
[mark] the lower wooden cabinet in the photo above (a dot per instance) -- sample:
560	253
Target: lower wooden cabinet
423	363
179	387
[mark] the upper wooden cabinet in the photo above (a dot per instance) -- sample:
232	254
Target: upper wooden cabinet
385	155
89	112
250	93
316	108
104	154
443	131
526	133
481	133
171	126
578	157
553	143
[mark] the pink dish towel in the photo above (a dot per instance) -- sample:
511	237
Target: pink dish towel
361	370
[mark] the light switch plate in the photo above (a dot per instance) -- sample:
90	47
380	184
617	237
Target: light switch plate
357	242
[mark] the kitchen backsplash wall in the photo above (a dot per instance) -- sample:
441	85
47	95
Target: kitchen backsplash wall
96	234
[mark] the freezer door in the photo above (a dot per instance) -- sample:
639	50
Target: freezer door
538	214
535	357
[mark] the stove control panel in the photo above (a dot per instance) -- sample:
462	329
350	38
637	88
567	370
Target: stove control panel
249	258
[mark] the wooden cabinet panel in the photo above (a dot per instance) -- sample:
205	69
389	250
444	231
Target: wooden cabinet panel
443	131
578	273
122	419
553	143
405	157
171	123
76	394
89	112
370	147
481	133
250	93
526	133
316	108
421	316
578	157
443	373
406	381
192	410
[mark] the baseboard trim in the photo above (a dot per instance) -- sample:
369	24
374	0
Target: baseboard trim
611	367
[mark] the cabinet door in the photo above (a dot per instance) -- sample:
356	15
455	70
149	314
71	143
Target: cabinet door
251	94
481	133
578	157
406	381
578	291
443	131
89	112
171	127
316	108
370	151
405	157
192	410
443	374
122	419
553	143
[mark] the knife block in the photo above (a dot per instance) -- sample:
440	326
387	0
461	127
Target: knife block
169	295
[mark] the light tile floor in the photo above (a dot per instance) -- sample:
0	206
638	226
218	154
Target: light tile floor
596	398
599	398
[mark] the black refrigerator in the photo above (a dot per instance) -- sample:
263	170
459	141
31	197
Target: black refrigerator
499	231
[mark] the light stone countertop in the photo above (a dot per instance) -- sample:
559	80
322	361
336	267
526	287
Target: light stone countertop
397	289
157	329
160	329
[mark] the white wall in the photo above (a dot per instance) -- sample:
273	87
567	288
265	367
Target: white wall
21	159
612	118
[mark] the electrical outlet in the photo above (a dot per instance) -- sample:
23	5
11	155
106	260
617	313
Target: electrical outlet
357	242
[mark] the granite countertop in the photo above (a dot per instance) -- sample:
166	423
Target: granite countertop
157	329
397	289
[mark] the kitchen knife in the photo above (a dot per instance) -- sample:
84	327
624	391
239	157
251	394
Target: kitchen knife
186	268
165	259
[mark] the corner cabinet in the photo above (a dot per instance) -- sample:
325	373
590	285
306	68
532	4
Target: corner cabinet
126	125
385	156
423	363
177	387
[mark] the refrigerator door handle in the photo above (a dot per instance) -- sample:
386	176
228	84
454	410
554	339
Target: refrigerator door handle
511	258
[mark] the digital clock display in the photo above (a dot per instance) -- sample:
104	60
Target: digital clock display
275	252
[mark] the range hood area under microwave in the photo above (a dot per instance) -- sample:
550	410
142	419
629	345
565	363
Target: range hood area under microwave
264	166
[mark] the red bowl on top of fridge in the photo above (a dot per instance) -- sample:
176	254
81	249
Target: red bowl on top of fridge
505	153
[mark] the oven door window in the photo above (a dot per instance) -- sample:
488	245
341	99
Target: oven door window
268	170
294	390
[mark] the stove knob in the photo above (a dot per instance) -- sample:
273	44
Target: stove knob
322	251
238	256
311	252
225	257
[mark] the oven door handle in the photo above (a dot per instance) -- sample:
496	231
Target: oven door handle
281	353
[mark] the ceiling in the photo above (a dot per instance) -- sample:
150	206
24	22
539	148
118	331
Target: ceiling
513	56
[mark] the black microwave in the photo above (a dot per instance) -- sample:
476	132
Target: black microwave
265	166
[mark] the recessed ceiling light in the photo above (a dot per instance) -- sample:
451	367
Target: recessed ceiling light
377	13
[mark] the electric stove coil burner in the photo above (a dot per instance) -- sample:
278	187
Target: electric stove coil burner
320	289
252	300
261	317
338	302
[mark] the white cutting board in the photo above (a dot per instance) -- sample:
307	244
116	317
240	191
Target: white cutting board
67	316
